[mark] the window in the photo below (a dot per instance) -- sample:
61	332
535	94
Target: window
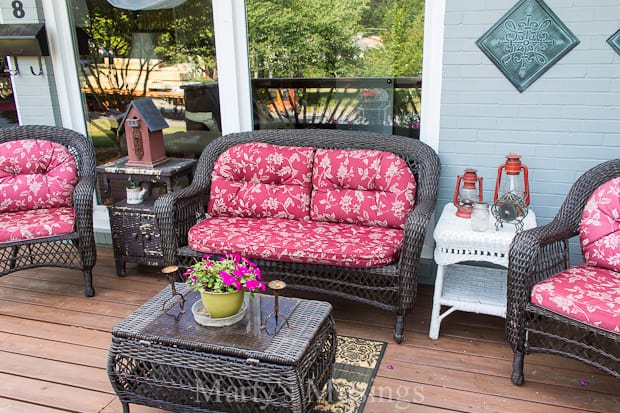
164	55
351	64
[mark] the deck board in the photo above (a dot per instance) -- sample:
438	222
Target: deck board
54	343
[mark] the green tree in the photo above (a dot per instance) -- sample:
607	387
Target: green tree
303	38
401	54
191	39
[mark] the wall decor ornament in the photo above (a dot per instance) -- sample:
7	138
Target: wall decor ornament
614	41
526	42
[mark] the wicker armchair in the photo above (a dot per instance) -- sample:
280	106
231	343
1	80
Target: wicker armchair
391	287
75	248
538	254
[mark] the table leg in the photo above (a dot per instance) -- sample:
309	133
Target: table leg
433	331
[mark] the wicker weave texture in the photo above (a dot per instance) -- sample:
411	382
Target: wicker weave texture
538	254
75	250
392	287
196	376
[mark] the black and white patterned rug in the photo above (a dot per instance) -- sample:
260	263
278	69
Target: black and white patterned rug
357	361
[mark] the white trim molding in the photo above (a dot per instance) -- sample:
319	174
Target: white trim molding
59	27
432	64
231	47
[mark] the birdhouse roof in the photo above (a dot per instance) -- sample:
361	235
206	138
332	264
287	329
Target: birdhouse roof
148	112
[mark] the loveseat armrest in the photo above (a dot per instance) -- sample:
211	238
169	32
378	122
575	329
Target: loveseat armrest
415	229
175	214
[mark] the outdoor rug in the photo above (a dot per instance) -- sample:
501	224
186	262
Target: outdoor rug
357	362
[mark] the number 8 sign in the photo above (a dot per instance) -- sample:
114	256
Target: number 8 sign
18	9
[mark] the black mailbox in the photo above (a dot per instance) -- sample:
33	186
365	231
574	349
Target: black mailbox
23	40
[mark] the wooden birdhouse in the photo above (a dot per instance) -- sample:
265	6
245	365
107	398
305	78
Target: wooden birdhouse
143	125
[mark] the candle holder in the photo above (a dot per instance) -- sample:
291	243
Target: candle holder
172	274
277	286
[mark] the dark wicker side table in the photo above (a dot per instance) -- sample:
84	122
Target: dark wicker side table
135	234
166	360
113	176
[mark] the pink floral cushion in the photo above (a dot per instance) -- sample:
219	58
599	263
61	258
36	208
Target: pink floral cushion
35	174
599	229
36	223
364	187
298	241
584	293
262	180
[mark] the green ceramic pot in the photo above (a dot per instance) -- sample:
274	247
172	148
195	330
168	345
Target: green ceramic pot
221	305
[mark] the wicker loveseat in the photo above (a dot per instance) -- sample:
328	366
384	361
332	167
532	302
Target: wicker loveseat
339	212
47	182
572	311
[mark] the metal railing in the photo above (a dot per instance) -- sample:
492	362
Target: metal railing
386	105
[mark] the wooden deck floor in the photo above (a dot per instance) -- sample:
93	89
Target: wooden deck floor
54	344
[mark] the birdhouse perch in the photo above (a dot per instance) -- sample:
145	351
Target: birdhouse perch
143	124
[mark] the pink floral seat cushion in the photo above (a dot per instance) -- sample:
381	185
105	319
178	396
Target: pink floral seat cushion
288	240
261	180
584	293
36	223
35	174
364	187
599	229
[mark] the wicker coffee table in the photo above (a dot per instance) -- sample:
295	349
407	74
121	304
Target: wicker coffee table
165	359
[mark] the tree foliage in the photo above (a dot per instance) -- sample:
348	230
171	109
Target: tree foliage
402	36
318	38
309	38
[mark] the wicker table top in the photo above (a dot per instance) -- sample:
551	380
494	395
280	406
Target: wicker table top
150	324
455	241
171	167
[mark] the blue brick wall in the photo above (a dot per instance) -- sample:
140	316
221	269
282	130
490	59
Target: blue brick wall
563	124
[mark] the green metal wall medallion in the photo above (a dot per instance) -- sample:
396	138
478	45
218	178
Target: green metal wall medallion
526	42
614	41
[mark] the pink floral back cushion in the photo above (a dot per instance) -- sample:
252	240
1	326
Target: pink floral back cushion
259	180
599	229
36	174
364	187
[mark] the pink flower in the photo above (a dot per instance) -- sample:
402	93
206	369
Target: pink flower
227	278
252	285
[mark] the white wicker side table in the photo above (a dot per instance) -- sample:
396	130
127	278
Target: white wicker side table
470	288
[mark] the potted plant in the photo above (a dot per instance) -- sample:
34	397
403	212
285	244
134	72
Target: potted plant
222	282
135	192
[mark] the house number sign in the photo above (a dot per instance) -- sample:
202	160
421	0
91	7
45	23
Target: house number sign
16	11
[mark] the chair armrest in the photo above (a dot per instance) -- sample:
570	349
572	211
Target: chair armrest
535	254
176	213
83	202
83	195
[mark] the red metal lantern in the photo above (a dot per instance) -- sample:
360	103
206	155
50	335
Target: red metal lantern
509	180
465	196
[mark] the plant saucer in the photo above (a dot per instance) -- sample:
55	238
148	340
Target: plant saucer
202	317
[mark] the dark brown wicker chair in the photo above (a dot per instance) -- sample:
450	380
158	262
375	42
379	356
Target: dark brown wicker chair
75	250
538	254
391	287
